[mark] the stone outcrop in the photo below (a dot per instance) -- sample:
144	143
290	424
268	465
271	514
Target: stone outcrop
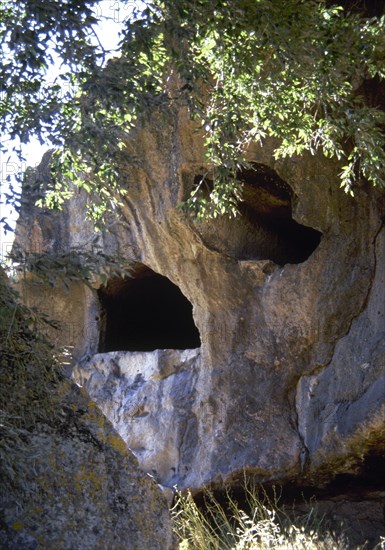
80	487
288	299
148	398
67	479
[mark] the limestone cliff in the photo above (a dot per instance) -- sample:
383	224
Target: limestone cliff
288	299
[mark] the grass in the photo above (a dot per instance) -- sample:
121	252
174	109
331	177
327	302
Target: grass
265	524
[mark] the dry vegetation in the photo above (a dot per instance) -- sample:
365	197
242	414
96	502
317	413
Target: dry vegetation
266	524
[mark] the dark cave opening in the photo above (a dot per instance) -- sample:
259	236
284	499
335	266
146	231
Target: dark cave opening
267	203
264	228
145	312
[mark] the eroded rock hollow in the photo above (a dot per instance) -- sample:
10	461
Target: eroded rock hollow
272	325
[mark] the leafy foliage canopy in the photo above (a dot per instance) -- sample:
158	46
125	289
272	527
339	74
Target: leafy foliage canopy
248	70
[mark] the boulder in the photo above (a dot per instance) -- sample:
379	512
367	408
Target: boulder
79	487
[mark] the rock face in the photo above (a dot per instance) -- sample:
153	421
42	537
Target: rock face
67	480
148	397
288	299
81	488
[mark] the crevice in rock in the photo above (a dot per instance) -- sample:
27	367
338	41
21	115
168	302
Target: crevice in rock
264	228
304	454
368	481
145	312
370	282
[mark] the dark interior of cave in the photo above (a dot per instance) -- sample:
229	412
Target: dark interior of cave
264	227
145	312
267	201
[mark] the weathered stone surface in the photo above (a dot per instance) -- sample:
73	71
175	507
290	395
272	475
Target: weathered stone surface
81	488
341	408
280	388
148	397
